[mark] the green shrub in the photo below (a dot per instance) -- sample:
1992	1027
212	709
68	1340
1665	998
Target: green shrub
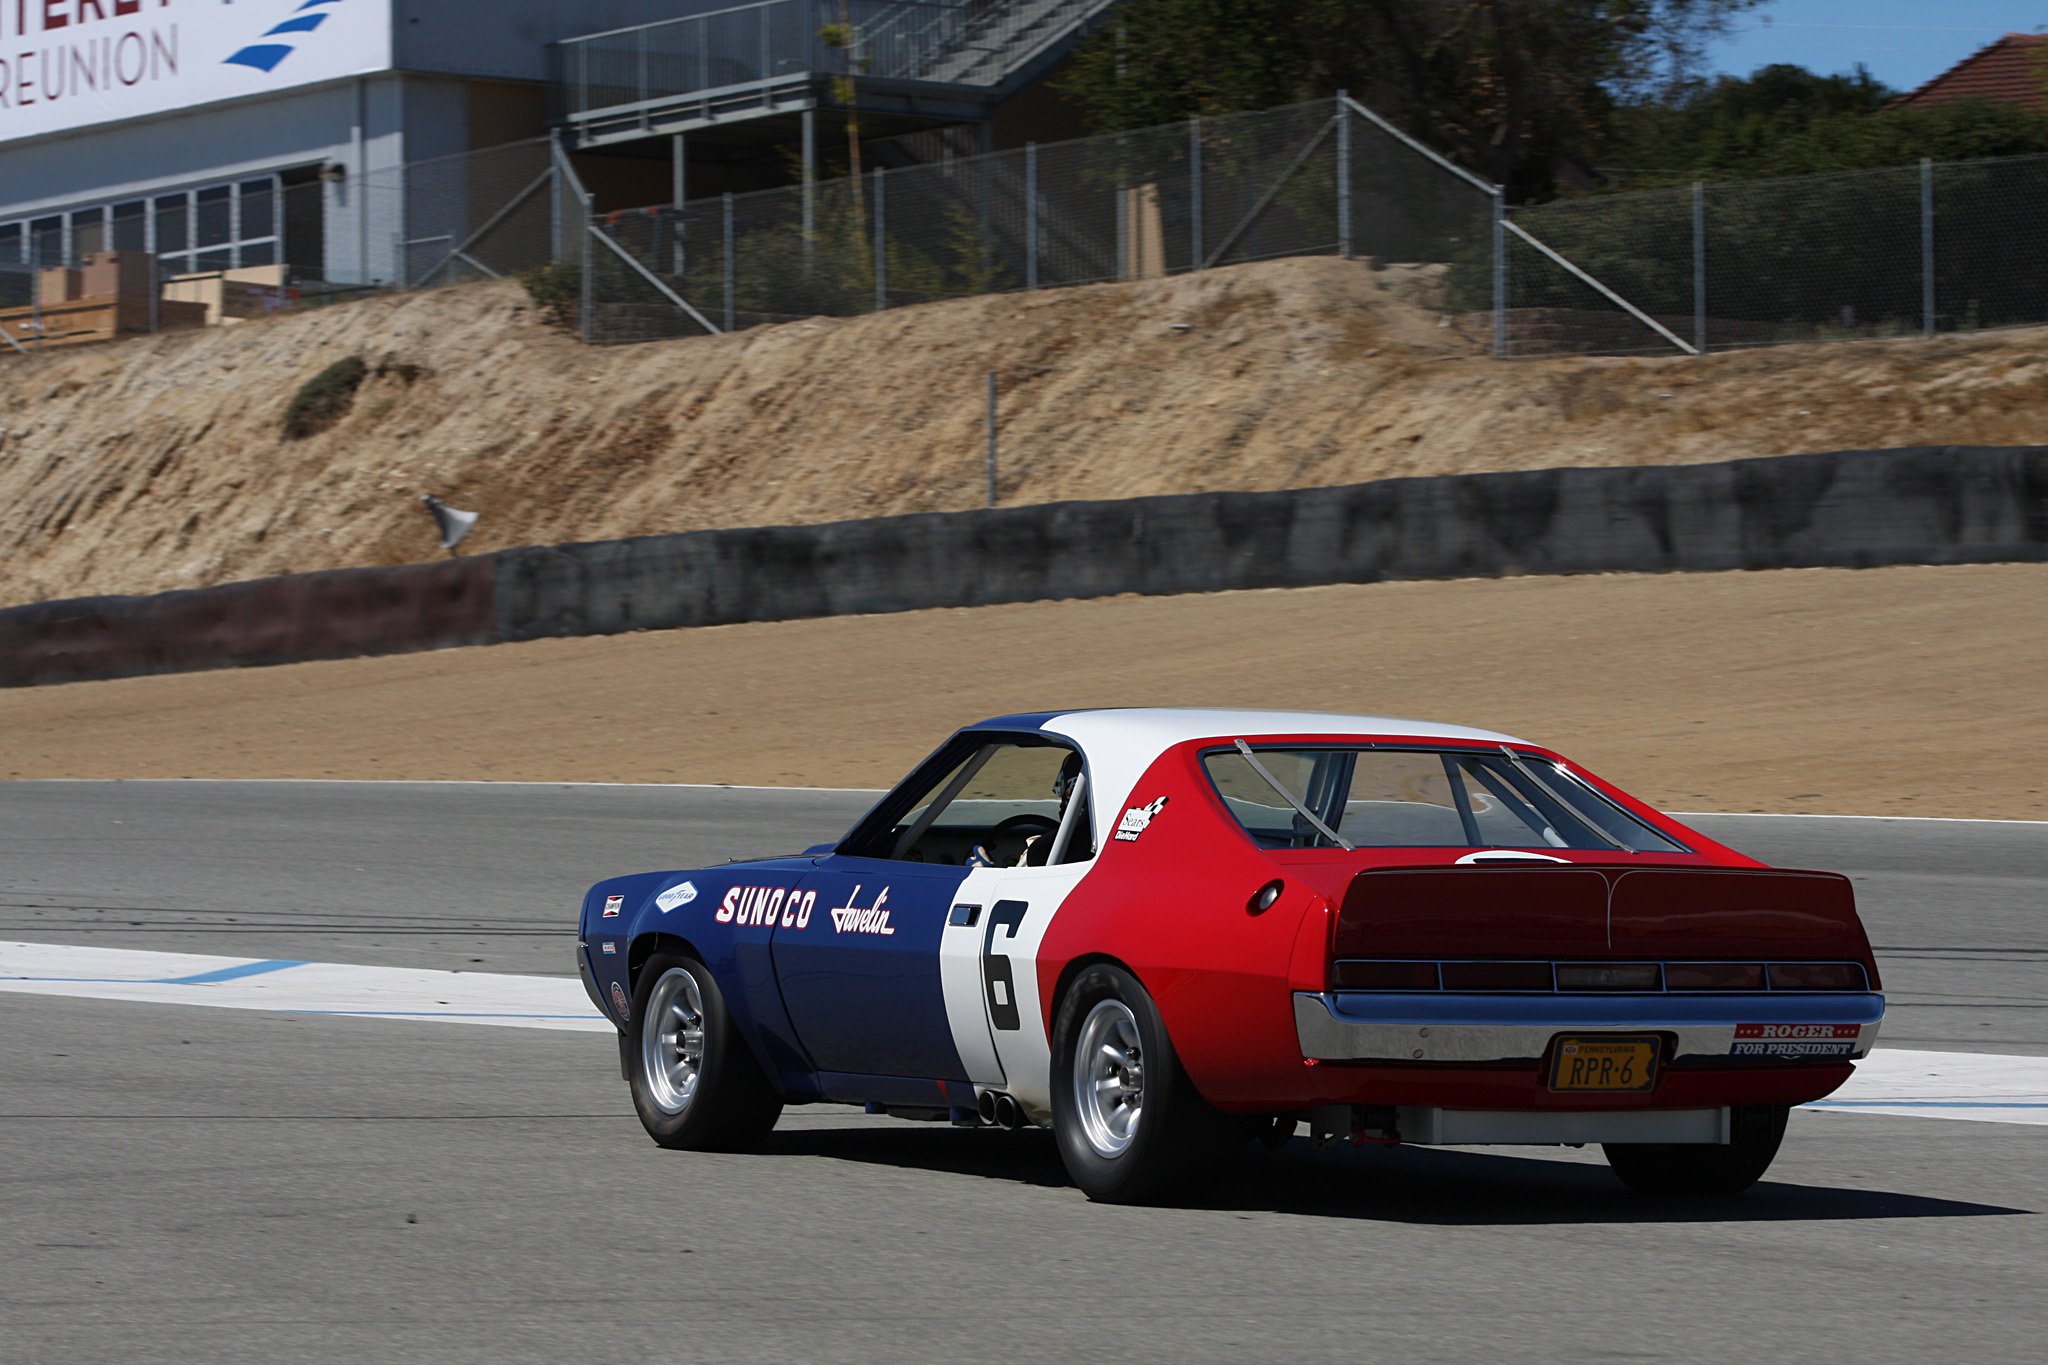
556	290
324	399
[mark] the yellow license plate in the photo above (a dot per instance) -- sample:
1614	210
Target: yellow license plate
1604	1065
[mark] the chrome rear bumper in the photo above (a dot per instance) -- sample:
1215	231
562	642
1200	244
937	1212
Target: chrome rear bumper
1446	1027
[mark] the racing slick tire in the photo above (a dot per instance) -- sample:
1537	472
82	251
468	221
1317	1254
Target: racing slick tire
1129	1123
1680	1169
695	1084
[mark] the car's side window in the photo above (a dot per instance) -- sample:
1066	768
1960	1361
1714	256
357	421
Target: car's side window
1002	803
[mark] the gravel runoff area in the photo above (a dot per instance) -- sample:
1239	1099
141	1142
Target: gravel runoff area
1897	691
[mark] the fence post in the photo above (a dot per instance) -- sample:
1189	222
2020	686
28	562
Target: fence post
730	279
1195	189
1500	273
1031	215
881	249
810	185
1926	246
1699	267
1344	174
991	470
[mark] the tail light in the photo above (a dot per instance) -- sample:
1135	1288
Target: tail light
1713	976
1497	976
1817	976
1385	976
1608	976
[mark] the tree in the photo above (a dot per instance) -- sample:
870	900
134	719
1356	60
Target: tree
1512	89
1786	120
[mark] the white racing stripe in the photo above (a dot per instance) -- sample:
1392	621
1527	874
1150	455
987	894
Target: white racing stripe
298	987
1985	1087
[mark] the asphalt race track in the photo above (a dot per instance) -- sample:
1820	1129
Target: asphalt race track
217	1184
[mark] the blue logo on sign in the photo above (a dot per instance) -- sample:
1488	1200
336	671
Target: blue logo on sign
266	56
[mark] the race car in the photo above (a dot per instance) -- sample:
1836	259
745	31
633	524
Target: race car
1166	933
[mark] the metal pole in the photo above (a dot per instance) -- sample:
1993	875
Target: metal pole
991	438
881	249
1195	191
587	277
730	279
1699	266
35	281
1343	176
361	171
679	195
1926	246
1031	215
810	119
1500	273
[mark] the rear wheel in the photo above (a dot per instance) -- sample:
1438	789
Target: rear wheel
694	1082
1699	1168
1129	1122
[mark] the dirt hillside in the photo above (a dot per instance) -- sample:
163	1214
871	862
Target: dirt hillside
160	462
1901	691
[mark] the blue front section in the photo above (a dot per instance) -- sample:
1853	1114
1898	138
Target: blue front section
723	915
860	979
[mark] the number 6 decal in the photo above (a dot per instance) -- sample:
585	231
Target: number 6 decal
997	981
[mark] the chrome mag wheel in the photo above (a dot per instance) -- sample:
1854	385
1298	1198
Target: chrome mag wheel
1109	1078
672	1041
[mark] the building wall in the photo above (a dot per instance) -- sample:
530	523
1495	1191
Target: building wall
363	129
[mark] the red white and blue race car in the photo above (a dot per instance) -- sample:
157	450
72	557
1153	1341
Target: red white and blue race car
1165	933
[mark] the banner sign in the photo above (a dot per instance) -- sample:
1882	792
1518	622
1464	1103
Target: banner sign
73	63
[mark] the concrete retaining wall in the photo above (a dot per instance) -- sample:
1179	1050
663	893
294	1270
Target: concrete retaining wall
337	614
1855	509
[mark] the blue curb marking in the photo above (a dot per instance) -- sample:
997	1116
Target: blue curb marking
1924	1104
227	973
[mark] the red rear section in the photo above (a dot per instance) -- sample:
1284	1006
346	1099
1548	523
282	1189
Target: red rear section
1606	911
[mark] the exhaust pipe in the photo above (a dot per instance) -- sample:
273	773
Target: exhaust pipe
1007	1113
985	1106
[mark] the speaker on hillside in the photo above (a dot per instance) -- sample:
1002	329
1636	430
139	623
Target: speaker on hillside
453	524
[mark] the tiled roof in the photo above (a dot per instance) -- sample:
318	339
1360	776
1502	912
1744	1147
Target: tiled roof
2010	71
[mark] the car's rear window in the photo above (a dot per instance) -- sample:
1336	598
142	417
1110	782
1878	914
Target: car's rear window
1421	798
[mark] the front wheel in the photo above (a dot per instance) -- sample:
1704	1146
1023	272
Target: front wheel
694	1082
1678	1168
1129	1123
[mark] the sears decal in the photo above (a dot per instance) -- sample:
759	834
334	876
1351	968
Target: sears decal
1137	820
611	949
612	906
853	918
767	905
682	893
1795	1040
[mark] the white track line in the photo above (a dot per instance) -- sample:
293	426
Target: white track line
548	1002
1986	1087
1949	1085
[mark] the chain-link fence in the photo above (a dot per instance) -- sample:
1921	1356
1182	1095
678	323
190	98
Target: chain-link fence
1910	251
1311	179
1915	250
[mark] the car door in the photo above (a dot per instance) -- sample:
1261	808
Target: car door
865	981
861	978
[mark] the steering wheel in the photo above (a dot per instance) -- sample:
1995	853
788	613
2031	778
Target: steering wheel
1020	828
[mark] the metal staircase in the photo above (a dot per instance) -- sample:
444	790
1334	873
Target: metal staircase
941	59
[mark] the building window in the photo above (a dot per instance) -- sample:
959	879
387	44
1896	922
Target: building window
213	227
